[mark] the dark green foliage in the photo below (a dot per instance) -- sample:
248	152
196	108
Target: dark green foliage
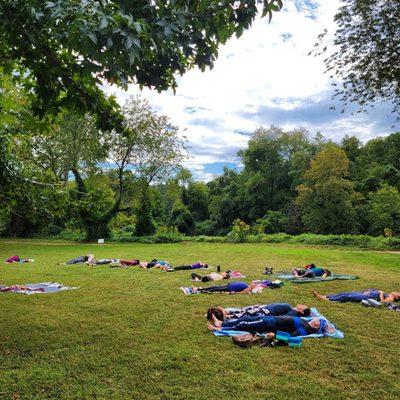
383	211
64	49
272	222
327	198
207	227
145	224
181	218
366	58
197	199
168	234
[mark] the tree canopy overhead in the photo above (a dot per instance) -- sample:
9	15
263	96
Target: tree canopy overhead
63	49
367	52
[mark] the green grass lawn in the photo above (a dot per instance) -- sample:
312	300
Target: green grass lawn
131	334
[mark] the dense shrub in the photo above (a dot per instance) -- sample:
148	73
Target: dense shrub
205	228
271	222
240	231
74	234
168	234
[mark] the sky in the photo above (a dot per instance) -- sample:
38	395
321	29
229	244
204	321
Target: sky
265	77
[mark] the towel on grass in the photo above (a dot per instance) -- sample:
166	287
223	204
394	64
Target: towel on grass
36	288
237	274
336	334
332	277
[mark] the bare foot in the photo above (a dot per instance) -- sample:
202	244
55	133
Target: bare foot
319	296
216	321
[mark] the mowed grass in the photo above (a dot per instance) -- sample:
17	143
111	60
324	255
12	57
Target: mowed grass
131	334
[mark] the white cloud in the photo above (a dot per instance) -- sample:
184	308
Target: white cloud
268	67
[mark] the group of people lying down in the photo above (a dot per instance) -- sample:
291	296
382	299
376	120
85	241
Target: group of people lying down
268	319
157	264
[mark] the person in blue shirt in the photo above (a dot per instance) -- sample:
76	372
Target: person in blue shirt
311	271
269	325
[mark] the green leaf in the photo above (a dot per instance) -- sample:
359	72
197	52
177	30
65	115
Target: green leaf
92	37
128	43
136	41
103	23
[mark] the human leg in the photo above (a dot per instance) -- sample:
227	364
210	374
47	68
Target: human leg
344	297
221	288
182	267
253	325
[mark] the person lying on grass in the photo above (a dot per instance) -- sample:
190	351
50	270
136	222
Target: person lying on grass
212	276
195	265
269	324
157	264
232	288
274	309
311	271
125	263
358	297
17	259
103	261
18	288
88	259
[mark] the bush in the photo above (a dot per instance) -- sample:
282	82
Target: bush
168	234
271	222
136	239
361	241
122	223
205	228
392	243
239	232
74	234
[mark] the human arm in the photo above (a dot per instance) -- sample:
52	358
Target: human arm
386	298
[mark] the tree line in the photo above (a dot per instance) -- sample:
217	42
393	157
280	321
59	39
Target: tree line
69	175
72	159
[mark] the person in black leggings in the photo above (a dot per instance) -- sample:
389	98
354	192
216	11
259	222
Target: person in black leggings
196	265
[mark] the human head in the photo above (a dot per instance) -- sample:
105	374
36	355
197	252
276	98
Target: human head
315	323
303	309
205	265
216	312
226	274
327	272
319	324
310	266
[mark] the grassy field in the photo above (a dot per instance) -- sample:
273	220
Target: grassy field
131	334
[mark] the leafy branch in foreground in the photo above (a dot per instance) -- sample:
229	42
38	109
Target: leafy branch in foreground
63	50
366	59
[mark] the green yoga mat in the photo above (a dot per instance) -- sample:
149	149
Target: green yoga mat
316	279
